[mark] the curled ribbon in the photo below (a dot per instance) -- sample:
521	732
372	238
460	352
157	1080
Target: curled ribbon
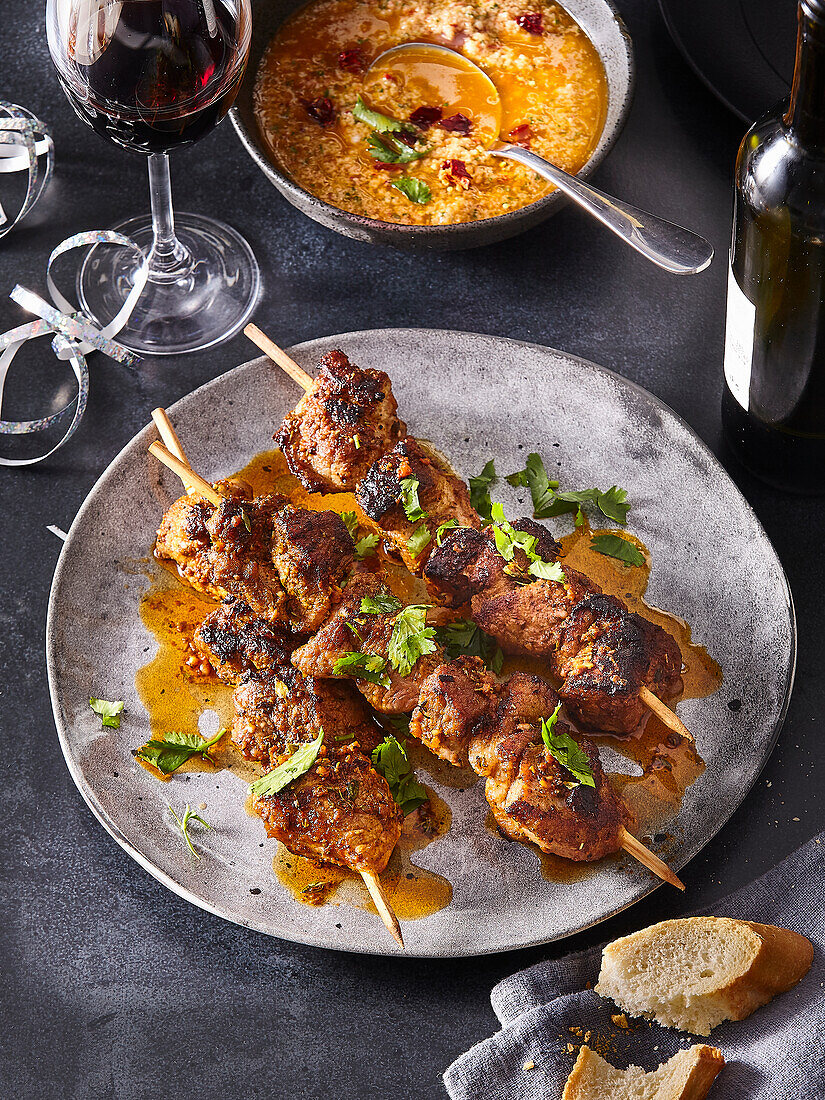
26	146
74	337
24	139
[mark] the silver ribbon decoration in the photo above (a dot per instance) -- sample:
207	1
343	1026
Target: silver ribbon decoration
23	140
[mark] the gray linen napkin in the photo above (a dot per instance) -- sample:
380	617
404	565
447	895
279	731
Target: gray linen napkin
778	1053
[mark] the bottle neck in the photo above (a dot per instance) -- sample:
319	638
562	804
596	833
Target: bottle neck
806	114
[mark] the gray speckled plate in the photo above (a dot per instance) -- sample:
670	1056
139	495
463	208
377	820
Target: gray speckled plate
477	396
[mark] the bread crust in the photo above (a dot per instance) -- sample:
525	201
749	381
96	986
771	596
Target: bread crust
782	958
695	1071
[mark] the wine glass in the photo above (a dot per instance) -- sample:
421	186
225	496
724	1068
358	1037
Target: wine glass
153	76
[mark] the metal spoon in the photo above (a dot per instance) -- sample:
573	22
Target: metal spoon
670	246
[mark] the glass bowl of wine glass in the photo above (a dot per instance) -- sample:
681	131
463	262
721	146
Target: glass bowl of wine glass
153	76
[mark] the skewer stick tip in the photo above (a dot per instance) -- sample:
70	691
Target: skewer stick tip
664	713
644	855
187	475
279	356
382	904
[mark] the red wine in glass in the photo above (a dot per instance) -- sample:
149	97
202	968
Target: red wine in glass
153	76
167	76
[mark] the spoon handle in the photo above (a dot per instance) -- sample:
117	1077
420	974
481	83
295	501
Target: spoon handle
670	246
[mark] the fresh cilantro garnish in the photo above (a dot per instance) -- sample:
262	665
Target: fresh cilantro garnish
614	546
293	768
375	120
183	825
175	748
508	540
411	638
365	547
442	527
390	760
351	523
108	711
547	571
389	150
480	490
548	501
415	190
409	499
380	604
419	539
464	638
563	748
363	666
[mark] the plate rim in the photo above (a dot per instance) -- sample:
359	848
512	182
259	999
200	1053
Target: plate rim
688	852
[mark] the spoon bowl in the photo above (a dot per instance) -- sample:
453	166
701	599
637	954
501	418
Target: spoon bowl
460	84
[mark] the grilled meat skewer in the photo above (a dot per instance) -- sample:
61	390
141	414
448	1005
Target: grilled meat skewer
285	563
602	653
612	662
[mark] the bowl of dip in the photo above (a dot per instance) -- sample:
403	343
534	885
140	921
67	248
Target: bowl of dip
388	155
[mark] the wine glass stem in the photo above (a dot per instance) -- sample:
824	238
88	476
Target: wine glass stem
169	260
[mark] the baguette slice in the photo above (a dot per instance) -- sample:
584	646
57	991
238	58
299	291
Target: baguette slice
686	1076
696	972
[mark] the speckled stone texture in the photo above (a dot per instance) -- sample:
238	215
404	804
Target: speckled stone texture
113	987
476	397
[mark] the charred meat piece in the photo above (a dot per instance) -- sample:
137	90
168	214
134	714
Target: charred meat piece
352	631
236	642
602	652
285	563
453	702
226	551
340	427
535	798
314	553
606	654
281	707
467	562
341	811
441	495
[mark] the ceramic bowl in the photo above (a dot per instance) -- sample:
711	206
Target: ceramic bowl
605	29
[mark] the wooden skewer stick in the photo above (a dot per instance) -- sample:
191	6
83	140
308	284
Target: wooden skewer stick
170	440
382	904
664	713
279	356
635	848
187	475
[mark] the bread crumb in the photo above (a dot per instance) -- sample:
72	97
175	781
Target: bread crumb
575	1031
529	1065
201	805
620	1020
571	1048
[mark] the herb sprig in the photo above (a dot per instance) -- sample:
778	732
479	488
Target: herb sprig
409	500
416	190
463	638
615	546
508	540
169	753
411	638
183	825
548	501
566	751
390	760
300	762
363	666
108	711
480	491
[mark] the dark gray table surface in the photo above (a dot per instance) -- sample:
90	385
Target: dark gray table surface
114	987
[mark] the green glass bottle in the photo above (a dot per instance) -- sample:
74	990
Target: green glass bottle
773	406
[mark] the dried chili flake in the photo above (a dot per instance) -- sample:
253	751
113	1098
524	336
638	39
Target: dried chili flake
532	22
321	110
424	117
454	173
352	61
521	135
456	124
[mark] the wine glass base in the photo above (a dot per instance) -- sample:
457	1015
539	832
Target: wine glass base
209	303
